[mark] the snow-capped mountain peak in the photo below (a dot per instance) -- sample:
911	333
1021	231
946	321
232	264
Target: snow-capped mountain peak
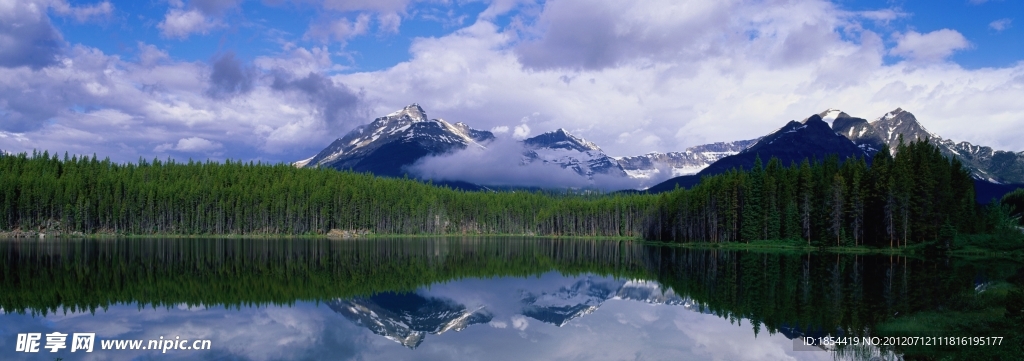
889	115
690	161
390	142
571	152
562	139
831	114
412	111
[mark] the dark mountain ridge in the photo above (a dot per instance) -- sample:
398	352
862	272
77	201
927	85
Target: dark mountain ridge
794	142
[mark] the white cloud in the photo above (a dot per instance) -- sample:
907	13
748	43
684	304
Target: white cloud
929	47
521	131
520	323
84	13
501	129
181	24
738	78
191	144
96	103
340	29
1001	24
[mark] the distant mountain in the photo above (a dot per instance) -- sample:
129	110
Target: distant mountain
690	161
984	162
812	138
407	318
389	143
570	152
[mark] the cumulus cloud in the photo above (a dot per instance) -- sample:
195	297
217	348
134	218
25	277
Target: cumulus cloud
1001	24
595	35
338	104
192	144
520	323
181	24
500	164
342	20
230	77
521	131
669	75
84	13
214	7
340	30
738	78
91	102
929	47
503	163
501	129
197	17
27	38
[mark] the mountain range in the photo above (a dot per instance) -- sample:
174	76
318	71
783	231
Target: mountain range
389	145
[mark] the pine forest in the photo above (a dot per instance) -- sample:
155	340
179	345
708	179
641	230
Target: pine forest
906	196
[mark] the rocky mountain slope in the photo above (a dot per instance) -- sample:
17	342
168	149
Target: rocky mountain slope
389	143
984	162
691	161
570	152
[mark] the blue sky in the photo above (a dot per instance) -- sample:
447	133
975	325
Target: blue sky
278	80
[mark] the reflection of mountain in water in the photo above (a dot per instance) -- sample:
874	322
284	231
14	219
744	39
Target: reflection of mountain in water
406	318
586	295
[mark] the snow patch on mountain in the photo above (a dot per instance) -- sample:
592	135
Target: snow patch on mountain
409	125
831	114
674	164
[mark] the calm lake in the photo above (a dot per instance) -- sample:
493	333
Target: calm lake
488	299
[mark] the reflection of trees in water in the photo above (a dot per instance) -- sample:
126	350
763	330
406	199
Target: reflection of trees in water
88	274
789	293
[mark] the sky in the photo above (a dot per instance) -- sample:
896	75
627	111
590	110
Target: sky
278	80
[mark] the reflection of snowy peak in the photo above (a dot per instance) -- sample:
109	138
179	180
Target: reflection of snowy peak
648	292
586	296
691	161
407	318
570	152
396	140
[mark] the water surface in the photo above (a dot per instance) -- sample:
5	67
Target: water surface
473	298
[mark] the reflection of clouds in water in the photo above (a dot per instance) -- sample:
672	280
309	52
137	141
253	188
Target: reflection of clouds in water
618	330
520	323
266	333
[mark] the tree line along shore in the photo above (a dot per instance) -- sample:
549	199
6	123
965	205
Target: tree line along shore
904	198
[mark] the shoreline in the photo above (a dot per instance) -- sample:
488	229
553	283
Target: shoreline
783	246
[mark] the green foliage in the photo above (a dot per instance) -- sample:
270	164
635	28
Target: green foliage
914	197
166	197
1015	203
917	196
878	295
